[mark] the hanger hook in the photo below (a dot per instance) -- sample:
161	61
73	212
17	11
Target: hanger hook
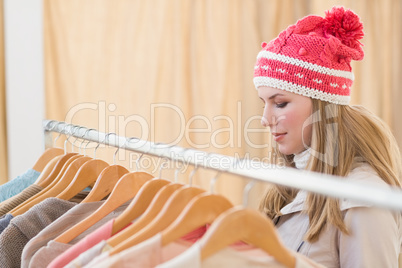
190	179
83	140
85	148
68	135
138	159
176	173
246	192
54	142
51	128
77	129
118	146
105	140
164	163
215	178
73	129
213	181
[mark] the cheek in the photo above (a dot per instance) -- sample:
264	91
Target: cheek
299	123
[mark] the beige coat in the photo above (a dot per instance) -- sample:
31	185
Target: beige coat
376	234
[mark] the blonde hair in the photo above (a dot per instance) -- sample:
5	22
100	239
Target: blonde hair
340	133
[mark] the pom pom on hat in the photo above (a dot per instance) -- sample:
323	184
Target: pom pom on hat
312	57
343	24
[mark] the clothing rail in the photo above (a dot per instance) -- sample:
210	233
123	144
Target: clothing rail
390	198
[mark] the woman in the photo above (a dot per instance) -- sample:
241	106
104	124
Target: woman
303	78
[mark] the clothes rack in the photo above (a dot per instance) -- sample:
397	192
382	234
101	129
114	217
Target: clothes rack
389	198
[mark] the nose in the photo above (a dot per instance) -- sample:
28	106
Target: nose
264	122
268	119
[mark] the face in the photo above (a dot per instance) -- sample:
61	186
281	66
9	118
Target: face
287	115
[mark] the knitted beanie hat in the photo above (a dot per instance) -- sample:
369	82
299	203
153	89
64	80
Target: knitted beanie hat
312	58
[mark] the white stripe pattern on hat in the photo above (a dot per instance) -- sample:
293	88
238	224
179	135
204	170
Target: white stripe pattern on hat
306	65
301	90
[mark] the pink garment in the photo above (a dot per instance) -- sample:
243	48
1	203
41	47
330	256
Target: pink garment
146	254
102	233
193	236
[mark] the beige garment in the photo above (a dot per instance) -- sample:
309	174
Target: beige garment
46	254
14	201
63	223
375	234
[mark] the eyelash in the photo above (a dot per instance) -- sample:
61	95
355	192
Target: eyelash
281	105
278	105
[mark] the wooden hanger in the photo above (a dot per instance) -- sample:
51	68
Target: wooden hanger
125	189
59	186
56	170
86	175
47	155
247	225
202	209
153	209
169	213
62	172
47	170
27	204
105	183
139	204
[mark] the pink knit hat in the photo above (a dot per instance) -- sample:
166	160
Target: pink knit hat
312	57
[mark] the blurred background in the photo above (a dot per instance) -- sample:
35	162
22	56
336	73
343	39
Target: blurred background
171	71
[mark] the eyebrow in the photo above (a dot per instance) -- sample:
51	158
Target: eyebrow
273	96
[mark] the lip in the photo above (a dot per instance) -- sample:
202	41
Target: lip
278	136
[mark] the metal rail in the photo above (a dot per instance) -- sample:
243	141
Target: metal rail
387	197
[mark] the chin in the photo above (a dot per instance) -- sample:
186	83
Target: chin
288	151
285	151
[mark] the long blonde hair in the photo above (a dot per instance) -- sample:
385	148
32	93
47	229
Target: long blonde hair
340	133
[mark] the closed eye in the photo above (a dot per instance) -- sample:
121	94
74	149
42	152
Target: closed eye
281	105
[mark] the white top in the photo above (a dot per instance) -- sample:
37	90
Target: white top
228	257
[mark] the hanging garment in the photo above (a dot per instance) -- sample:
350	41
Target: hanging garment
145	254
5	221
63	223
87	256
77	254
102	233
232	258
24	227
45	255
9	204
18	184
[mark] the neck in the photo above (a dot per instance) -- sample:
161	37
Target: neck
301	159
